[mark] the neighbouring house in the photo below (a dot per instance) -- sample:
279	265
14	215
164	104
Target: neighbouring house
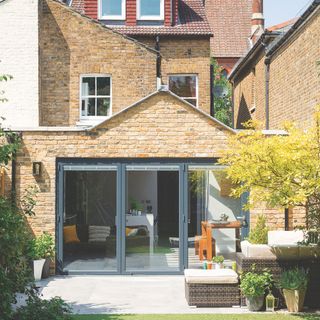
278	80
116	132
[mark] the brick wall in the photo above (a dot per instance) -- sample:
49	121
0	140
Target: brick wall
294	77
72	45
249	92
186	56
19	57
161	126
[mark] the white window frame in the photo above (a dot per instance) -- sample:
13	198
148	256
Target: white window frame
159	17
112	17
94	75
197	86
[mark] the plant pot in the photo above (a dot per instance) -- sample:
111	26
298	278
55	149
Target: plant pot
294	299
46	269
37	268
255	303
217	265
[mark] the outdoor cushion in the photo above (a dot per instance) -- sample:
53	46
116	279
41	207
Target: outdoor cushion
214	276
285	238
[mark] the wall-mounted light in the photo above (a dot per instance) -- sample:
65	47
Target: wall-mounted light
36	169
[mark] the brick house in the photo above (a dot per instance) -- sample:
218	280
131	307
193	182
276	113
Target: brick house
278	80
117	133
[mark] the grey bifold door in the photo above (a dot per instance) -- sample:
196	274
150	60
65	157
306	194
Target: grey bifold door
89	219
152	219
120	218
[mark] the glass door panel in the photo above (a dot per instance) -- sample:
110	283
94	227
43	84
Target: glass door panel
89	220
210	200
152	206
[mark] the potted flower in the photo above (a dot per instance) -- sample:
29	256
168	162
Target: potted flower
218	262
41	251
254	285
293	283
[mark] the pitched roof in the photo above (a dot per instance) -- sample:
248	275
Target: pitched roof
230	21
170	93
192	21
282	26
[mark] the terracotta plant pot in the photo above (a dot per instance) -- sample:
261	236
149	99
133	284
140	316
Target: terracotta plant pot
294	299
255	303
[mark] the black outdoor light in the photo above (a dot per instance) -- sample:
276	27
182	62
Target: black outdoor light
36	169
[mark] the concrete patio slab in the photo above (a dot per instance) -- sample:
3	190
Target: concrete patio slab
125	295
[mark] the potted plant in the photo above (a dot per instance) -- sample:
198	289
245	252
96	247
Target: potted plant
256	244
254	285
41	251
218	262
293	283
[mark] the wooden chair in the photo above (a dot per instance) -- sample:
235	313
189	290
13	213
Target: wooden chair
204	243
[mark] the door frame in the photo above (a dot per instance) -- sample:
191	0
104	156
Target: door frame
121	165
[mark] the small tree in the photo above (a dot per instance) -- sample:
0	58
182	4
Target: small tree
281	170
221	94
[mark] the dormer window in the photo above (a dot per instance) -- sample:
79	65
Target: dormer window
112	9
150	10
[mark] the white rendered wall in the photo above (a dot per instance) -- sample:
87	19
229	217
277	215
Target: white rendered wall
19	58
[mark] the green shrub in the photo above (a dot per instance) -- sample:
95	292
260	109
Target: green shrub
255	284
42	247
294	279
14	270
218	259
259	234
38	309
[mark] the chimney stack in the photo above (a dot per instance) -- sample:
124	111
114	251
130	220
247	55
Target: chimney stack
257	20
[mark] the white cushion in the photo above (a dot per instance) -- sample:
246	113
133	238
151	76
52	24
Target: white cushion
98	233
214	276
284	238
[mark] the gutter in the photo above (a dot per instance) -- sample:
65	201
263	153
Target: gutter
299	23
251	53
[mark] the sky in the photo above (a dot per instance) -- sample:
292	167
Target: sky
278	11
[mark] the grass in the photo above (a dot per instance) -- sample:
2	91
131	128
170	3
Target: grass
199	317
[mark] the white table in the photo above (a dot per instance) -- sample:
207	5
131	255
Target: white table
146	219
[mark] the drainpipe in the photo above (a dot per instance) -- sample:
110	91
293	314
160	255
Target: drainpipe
211	91
267	80
157	47
286	219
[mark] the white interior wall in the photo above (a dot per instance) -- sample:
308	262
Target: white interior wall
218	205
19	58
143	186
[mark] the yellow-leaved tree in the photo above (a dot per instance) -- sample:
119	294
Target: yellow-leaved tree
281	170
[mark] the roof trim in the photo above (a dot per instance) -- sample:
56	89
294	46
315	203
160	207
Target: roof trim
216	121
296	27
251	53
67	7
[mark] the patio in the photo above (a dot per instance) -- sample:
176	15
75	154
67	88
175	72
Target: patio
126	295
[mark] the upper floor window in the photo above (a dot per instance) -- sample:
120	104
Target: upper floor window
150	9
95	96
185	86
112	9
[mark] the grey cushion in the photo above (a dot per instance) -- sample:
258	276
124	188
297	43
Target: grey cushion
99	233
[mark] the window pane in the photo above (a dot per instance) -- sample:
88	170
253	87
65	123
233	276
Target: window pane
103	85
91	106
150	7
183	86
192	101
103	106
111	7
88	86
